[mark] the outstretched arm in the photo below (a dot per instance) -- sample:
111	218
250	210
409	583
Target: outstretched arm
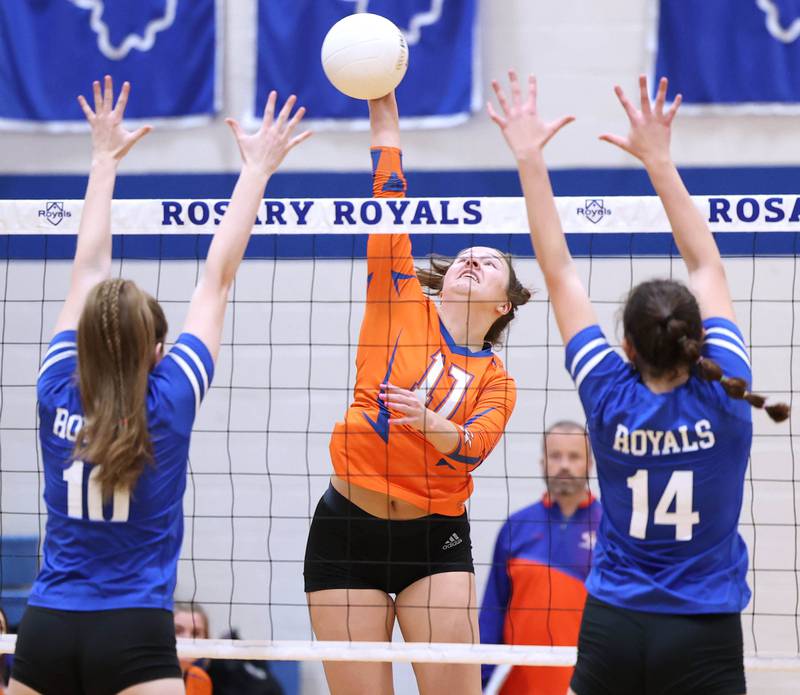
527	134
384	122
110	143
261	154
648	141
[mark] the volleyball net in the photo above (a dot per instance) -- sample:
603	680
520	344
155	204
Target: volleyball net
259	459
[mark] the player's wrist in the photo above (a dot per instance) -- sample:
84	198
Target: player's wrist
104	161
657	162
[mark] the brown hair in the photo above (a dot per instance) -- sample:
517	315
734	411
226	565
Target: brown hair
662	322
118	330
432	278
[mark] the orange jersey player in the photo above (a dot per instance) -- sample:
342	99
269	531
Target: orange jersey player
404	342
390	537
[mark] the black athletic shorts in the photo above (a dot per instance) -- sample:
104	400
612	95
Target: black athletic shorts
625	652
94	652
350	549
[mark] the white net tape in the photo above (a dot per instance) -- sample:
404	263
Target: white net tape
399	652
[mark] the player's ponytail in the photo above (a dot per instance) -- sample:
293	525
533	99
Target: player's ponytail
432	279
662	323
736	388
117	334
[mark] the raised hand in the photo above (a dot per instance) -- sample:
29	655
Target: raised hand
265	149
522	126
651	126
109	138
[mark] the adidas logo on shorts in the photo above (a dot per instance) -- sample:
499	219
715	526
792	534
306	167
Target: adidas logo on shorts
452	542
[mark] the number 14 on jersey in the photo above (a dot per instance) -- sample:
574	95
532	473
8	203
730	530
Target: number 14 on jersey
679	491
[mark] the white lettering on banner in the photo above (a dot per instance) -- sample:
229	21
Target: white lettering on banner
636	215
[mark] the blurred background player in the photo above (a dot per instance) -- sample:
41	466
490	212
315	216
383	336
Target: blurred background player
671	431
116	418
191	622
431	401
535	592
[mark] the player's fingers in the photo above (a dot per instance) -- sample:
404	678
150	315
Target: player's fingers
673	110
501	96
389	387
269	107
533	90
400	396
122	101
502	122
661	96
234	126
87	111
140	133
620	142
297	139
516	92
644	97
108	94
283	116
626	103
400	407
559	124
298	116
98	96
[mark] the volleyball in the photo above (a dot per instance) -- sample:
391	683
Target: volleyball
364	56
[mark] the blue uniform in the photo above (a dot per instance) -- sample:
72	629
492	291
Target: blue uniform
123	554
671	468
535	592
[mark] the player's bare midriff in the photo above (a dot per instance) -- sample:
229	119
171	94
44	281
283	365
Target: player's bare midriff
377	503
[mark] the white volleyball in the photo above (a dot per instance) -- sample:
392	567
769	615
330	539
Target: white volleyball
365	56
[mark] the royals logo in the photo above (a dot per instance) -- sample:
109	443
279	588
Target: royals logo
594	210
54	212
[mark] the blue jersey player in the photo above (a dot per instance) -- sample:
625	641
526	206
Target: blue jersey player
670	429
115	424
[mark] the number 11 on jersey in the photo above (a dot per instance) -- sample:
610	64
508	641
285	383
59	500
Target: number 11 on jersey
679	491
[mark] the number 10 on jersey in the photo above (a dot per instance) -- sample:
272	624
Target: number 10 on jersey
73	476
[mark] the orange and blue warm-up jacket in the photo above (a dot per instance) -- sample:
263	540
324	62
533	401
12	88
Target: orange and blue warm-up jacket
535	592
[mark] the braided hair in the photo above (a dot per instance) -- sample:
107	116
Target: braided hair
662	322
117	333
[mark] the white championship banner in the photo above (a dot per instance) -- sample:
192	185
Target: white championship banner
623	215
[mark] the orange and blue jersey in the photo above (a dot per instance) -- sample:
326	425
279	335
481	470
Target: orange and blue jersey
535	592
404	342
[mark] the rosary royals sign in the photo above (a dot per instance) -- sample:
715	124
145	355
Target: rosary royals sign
496	216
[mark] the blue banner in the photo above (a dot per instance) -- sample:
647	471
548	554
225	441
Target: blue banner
731	53
52	50
440	87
